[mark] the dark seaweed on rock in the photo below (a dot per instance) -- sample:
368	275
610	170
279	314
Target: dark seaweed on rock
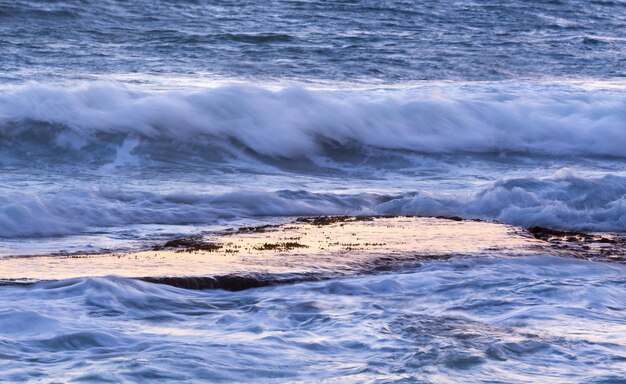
328	220
259	229
553	234
585	245
190	244
286	246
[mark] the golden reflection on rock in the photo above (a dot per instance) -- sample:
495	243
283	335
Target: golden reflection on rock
339	245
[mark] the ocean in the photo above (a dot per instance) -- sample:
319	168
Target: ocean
124	125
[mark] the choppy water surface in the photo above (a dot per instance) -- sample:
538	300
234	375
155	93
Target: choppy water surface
123	124
312	41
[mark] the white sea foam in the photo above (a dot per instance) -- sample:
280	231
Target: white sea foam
562	201
212	130
536	317
295	122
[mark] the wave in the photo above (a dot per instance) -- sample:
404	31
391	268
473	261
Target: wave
291	123
72	211
564	200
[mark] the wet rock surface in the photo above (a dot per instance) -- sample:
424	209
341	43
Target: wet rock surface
600	247
315	248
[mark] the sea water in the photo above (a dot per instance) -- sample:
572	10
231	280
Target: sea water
124	124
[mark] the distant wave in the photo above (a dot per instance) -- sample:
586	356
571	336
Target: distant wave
295	122
562	201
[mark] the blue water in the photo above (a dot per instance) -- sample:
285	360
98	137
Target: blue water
123	124
314	41
532	319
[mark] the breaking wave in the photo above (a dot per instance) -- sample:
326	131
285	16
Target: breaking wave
564	200
296	122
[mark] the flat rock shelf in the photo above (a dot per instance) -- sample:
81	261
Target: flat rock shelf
310	249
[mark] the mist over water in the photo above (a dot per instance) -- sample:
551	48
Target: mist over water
126	124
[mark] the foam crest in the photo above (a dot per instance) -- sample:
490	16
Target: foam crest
295	122
561	201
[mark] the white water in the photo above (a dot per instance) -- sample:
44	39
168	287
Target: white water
238	113
527	319
563	200
540	118
103	158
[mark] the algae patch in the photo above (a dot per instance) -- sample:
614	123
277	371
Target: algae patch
285	246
